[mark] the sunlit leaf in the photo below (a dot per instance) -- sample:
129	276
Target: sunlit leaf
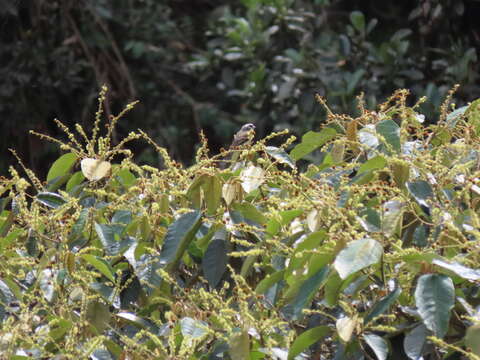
391	133
345	327
101	265
193	328
61	166
252	177
280	155
378	345
52	200
460	270
312	141
95	169
357	255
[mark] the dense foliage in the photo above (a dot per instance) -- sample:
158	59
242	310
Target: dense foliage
216	65
360	241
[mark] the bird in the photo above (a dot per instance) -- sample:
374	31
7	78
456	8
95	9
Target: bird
242	137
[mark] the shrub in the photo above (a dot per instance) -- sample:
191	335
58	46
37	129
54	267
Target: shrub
358	241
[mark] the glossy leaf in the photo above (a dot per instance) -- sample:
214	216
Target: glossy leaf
383	305
345	327
179	235
280	155
378	345
391	133
460	270
252	177
421	191
193	328
415	341
52	200
268	281
435	297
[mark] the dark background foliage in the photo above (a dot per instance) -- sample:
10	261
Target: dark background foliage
215	65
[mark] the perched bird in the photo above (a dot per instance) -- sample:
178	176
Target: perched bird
244	136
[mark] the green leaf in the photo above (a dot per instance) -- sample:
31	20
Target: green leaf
375	163
193	328
61	166
332	289
110	236
146	270
98	315
52	200
12	236
392	216
473	116
357	255
267	282
383	305
400	171
212	190
280	155
215	261
306	339
250	212
239	346
378	345
60	328
312	141
122	217
101	265
391	132
460	270
414	342
301	253
454	116
421	191
75	180
358	20
137	321
178	237
435	297
125	178
472	339
308	290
